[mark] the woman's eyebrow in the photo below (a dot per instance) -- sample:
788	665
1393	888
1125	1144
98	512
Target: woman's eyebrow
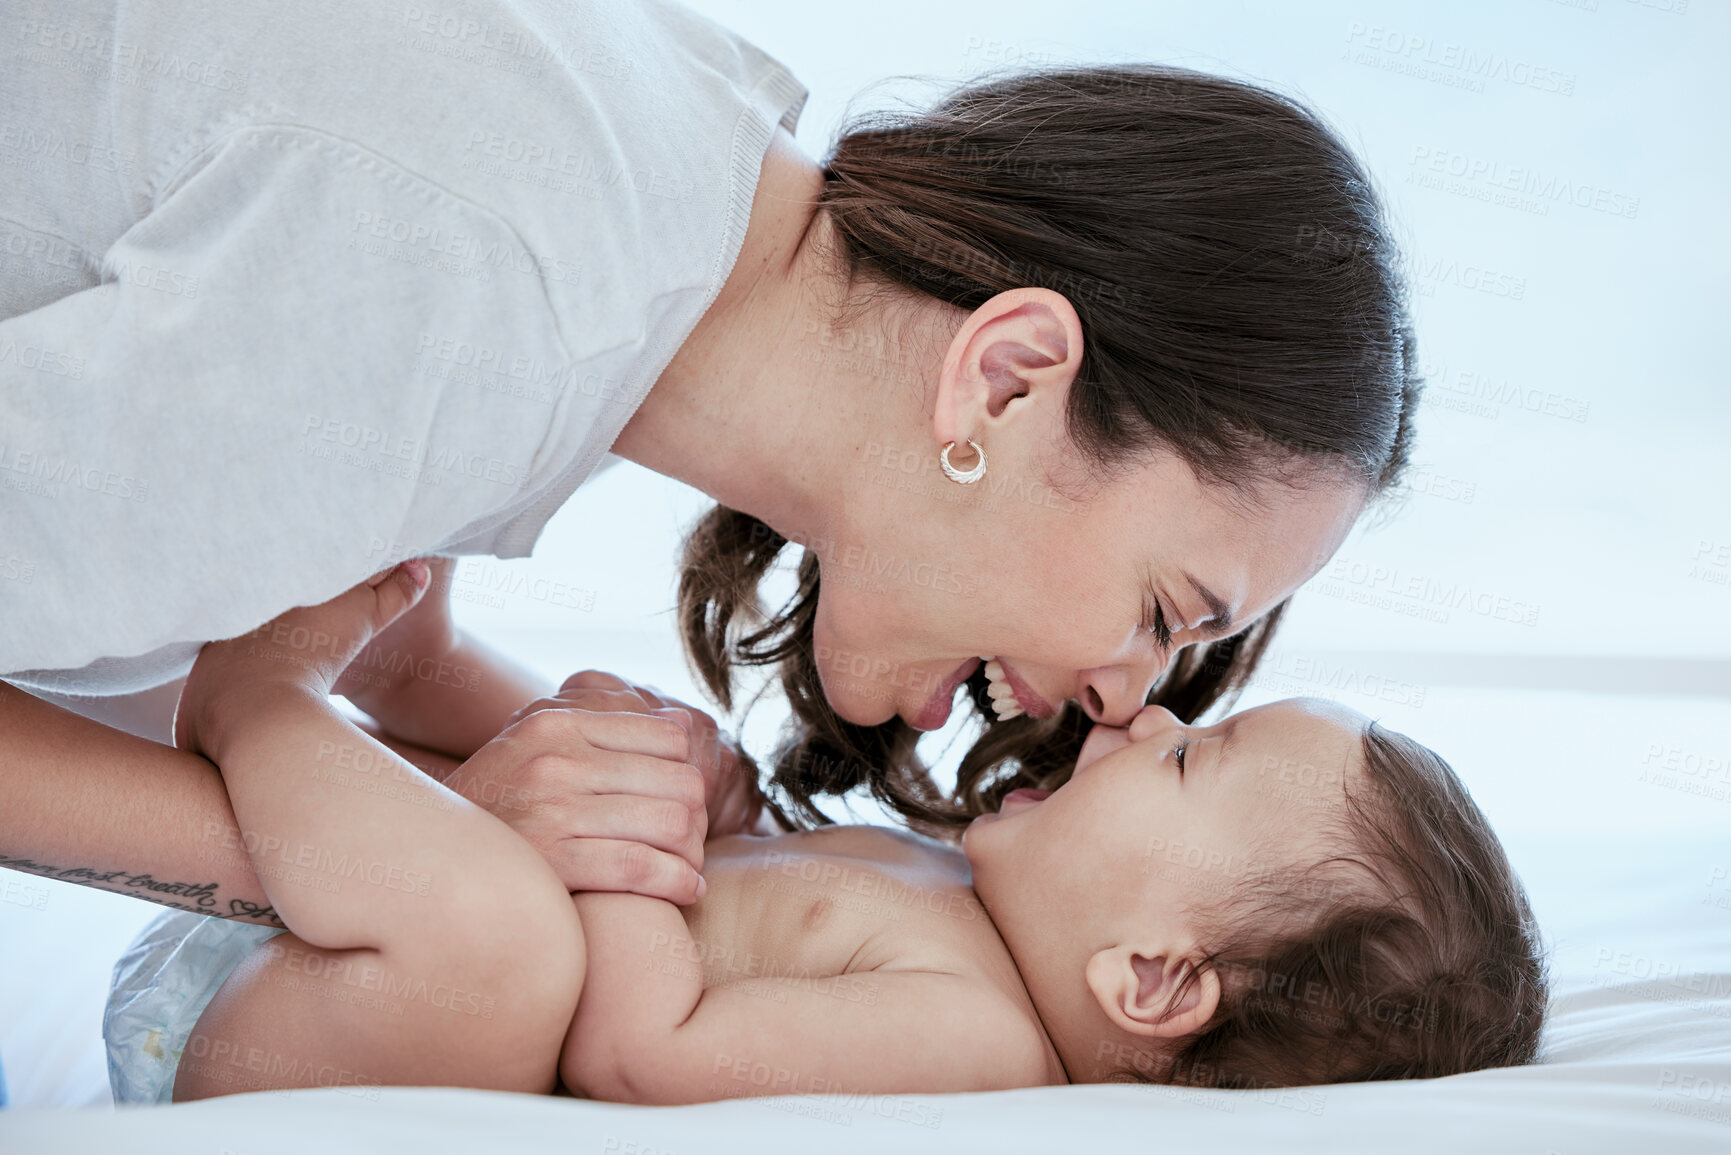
1219	621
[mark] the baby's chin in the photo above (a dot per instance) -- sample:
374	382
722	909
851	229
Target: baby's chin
977	840
978	870
968	837
1015	802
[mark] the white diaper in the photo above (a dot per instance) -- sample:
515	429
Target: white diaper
161	985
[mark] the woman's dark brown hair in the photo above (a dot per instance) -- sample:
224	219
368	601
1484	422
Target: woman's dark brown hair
1411	955
1242	307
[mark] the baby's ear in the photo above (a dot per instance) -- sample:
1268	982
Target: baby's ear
1153	990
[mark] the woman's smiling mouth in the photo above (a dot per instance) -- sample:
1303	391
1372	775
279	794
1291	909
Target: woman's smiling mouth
936	711
1011	696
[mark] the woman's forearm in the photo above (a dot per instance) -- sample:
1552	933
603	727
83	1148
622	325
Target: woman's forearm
89	804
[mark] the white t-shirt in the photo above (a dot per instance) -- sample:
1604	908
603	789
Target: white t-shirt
289	292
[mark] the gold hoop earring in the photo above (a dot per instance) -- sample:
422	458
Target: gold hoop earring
958	476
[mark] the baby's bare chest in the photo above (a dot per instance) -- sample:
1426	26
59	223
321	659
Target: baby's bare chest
822	907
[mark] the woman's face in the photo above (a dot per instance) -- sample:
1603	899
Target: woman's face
1084	600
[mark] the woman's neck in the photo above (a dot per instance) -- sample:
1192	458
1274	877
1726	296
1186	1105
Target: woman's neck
734	413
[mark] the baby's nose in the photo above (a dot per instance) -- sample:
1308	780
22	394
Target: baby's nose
1150	720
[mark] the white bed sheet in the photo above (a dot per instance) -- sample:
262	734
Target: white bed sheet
1630	878
1627	1080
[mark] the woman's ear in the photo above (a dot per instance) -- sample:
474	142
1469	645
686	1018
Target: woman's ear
1022	344
1154	991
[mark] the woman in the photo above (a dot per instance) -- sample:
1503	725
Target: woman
1072	372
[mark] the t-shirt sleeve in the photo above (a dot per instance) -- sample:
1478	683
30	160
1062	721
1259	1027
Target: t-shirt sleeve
279	387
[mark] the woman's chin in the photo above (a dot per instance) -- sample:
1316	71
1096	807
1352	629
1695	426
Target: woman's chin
861	710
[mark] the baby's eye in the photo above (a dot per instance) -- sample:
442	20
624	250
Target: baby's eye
1178	755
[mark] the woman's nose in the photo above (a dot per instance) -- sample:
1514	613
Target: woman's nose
1111	695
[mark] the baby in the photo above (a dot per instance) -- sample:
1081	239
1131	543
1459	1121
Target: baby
1290	896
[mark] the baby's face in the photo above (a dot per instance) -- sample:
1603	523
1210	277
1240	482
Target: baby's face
1161	818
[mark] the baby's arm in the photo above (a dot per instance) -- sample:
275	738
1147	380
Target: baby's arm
430	684
428	944
648	1032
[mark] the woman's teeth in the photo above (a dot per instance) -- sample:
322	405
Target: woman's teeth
1004	703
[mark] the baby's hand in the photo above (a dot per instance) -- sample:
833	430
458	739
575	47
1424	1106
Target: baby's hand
309	646
425	631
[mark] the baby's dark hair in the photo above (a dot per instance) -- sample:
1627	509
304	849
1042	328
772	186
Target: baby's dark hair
1418	954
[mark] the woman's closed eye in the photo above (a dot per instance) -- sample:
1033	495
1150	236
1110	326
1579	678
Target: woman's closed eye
1154	622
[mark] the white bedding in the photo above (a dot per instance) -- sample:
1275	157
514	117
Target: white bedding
1629	1071
1630	878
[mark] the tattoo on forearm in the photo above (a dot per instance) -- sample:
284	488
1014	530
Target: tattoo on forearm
198	897
241	908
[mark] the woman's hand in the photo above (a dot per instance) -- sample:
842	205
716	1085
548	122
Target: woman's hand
733	804
615	785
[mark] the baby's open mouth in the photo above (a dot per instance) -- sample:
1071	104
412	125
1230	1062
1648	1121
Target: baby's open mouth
1021	798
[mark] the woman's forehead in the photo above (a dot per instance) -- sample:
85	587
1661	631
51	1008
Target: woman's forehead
1166	512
